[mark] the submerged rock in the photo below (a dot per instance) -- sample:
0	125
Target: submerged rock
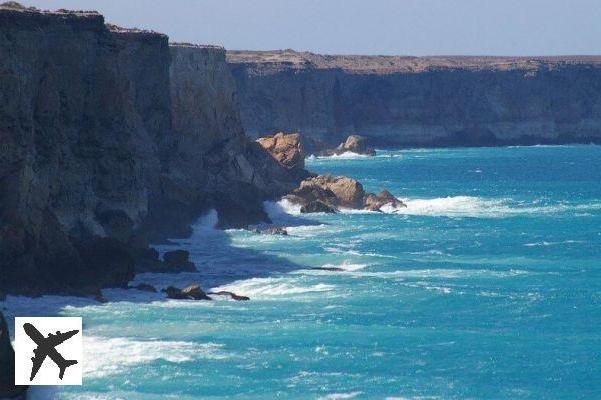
335	269
231	295
8	390
192	292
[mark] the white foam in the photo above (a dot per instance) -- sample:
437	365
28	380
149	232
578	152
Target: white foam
340	396
347	155
276	210
265	288
545	243
469	206
347	266
207	221
108	356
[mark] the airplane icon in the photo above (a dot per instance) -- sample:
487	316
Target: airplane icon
46	348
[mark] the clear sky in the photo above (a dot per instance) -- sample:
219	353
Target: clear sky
405	27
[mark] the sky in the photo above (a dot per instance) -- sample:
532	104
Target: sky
386	27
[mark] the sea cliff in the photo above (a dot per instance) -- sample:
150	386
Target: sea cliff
420	101
112	139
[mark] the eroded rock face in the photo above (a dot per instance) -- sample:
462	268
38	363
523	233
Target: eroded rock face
82	131
339	191
420	101
7	362
219	165
287	149
111	139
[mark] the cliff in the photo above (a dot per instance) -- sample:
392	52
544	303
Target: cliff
8	390
215	161
111	139
420	101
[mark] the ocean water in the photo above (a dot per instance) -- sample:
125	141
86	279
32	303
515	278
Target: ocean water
487	286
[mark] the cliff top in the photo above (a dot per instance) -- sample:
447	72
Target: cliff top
12	10
196	46
274	60
13	6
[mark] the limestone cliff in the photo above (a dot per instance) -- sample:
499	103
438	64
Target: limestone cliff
111	139
420	101
214	160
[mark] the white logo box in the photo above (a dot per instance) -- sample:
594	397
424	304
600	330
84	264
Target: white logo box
48	331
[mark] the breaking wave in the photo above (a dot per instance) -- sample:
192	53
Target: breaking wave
261	288
105	356
468	206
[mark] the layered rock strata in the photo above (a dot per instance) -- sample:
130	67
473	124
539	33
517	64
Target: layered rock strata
420	101
111	139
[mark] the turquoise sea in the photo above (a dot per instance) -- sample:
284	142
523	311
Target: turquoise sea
487	286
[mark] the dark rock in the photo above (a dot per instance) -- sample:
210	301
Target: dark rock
8	390
336	269
231	295
317	206
174	293
272	230
193	292
178	260
144	287
147	260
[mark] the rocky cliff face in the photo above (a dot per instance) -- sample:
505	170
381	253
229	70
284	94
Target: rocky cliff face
107	143
215	164
421	101
8	390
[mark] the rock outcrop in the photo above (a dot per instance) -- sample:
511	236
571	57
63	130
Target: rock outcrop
375	202
111	139
218	166
354	144
192	292
287	149
326	193
420	101
8	390
231	295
